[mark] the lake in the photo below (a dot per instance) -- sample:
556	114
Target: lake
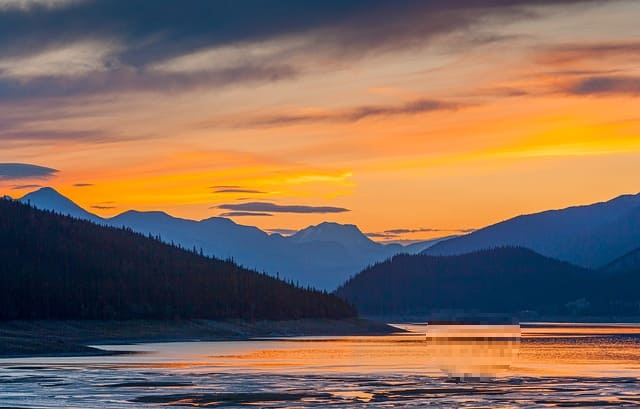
557	365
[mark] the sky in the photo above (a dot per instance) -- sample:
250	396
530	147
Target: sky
410	119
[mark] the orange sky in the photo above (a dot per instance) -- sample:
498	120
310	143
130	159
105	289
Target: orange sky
443	134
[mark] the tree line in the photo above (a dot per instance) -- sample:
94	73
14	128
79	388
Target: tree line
58	267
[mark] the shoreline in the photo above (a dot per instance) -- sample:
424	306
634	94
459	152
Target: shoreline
524	320
22	339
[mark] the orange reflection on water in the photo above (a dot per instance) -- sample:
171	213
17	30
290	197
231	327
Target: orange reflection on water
567	350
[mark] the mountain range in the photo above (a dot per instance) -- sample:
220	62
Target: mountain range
590	236
321	256
599	236
55	267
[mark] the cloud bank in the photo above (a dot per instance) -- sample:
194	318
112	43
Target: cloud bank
15	171
107	46
267	207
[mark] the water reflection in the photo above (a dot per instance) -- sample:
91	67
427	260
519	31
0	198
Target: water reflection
556	367
473	350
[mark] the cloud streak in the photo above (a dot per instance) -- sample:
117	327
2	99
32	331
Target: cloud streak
599	51
603	85
15	171
419	106
238	190
23	187
106	46
243	214
395	233
267	207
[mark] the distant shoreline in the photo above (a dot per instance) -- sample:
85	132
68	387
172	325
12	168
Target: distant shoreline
408	319
71	338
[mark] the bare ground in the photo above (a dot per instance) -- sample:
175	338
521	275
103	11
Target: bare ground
49	338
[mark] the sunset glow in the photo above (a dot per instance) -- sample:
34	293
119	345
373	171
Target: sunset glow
433	128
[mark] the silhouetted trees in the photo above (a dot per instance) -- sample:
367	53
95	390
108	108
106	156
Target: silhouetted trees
495	280
57	267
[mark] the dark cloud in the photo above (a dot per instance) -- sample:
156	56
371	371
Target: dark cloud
151	32
375	235
43	135
502	92
238	190
618	85
9	171
426	230
82	184
600	51
22	187
127	79
394	233
242	214
276	208
419	106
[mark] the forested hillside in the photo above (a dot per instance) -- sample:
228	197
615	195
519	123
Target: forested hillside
57	267
496	280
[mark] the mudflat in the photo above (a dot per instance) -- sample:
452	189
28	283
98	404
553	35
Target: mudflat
48	338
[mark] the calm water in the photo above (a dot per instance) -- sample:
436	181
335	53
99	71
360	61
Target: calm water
556	366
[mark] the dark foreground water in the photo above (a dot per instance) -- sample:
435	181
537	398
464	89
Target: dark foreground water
556	366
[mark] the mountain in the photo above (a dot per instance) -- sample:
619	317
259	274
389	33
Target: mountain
321	256
501	280
48	198
346	235
630	262
88	271
590	236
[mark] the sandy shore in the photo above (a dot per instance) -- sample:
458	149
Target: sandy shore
49	338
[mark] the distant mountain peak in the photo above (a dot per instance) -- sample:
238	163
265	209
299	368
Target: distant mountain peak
220	220
48	198
46	191
587	235
346	234
144	212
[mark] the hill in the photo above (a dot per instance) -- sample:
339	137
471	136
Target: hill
627	263
58	267
590	236
321	256
496	280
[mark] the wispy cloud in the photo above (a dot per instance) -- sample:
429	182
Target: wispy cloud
23	187
618	85
243	214
395	233
238	190
9	171
419	106
82	184
427	230
564	54
69	60
103	207
106	46
375	235
267	207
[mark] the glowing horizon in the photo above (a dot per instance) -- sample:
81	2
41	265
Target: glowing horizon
422	117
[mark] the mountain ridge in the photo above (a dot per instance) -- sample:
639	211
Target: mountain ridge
92	271
510	280
322	256
587	235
